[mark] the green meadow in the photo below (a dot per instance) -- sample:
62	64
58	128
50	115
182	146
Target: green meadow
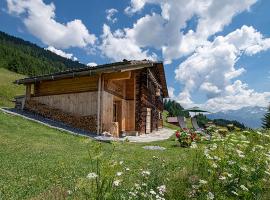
38	162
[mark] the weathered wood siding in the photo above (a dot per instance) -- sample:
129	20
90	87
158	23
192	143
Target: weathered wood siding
107	111
146	98
65	86
83	104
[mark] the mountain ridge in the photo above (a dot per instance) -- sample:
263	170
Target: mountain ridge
250	116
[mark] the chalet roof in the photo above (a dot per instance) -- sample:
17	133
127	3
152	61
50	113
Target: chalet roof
125	65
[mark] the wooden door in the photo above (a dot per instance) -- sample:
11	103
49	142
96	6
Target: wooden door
148	121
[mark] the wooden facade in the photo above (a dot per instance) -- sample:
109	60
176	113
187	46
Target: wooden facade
122	98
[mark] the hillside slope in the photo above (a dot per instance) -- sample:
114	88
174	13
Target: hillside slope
27	58
7	89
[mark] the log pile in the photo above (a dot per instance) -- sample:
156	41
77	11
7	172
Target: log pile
88	123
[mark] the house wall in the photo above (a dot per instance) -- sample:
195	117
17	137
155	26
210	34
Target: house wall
68	85
82	104
146	98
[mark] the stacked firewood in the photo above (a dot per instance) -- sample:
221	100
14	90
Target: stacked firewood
87	123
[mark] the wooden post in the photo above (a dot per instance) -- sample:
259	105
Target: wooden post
98	108
28	92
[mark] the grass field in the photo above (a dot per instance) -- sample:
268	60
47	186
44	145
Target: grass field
35	160
7	89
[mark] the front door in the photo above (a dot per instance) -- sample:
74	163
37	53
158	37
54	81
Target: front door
148	121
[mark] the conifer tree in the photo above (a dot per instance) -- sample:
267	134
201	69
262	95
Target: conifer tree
266	119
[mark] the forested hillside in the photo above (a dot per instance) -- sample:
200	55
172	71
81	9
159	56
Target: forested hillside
27	58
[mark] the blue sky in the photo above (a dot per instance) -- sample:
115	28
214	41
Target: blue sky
216	53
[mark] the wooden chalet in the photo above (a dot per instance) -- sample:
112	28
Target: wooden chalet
123	97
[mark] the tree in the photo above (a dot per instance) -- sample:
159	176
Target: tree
266	119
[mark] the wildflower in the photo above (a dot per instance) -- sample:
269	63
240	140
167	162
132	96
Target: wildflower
152	192
231	162
116	183
235	193
202	181
121	162
193	145
144	184
119	173
267	172
259	133
243	187
222	178
145	173
214	146
127	169
162	189
210	196
92	175
132	194
216	158
137	186
214	165
243	168
69	192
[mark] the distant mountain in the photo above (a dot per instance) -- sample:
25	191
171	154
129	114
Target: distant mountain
250	116
27	58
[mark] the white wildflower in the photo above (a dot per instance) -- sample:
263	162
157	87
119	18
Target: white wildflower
201	181
193	145
162	189
210	196
243	187
259	133
132	194
267	172
231	162
214	165
145	173
152	192
222	178
243	168
121	162
127	169
92	175
69	192
235	193
116	183
216	158
119	173
214	146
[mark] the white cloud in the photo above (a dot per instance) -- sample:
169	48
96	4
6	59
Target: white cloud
110	15
61	53
211	69
171	92
39	19
212	16
91	64
117	47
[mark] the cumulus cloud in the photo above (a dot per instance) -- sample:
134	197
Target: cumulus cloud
61	53
39	19
117	47
212	68
168	34
110	15
92	64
